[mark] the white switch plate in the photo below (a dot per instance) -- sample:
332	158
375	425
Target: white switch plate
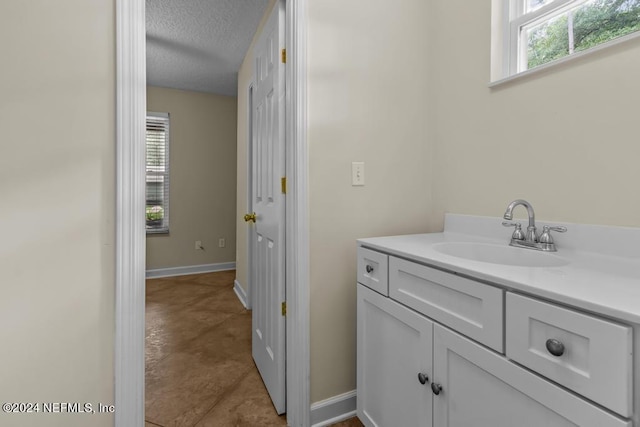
221	243
198	245
357	173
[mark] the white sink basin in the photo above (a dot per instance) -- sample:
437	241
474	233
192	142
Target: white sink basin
499	254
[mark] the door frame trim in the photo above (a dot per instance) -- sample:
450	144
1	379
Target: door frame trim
131	111
249	162
130	227
297	274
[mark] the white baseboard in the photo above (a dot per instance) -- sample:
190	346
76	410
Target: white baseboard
241	293
190	269
333	410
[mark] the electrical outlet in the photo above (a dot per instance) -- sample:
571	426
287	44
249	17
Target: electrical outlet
221	243
357	173
199	245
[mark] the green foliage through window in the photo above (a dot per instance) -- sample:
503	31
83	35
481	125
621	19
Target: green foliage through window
590	24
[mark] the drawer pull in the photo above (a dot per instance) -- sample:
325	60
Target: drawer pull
369	268
423	378
555	347
436	388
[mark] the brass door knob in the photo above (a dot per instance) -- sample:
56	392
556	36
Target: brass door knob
250	217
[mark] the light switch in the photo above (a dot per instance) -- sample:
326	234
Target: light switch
357	173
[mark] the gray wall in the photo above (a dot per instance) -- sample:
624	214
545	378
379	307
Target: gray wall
203	178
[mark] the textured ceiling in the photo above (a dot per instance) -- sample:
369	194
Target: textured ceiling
199	45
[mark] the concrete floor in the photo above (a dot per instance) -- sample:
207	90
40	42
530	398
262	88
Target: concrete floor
199	369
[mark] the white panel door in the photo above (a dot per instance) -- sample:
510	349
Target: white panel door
394	347
268	166
482	389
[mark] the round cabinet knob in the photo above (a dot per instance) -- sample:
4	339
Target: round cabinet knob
423	378
555	347
436	388
250	217
369	268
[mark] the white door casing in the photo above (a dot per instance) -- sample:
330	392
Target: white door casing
251	239
268	201
130	266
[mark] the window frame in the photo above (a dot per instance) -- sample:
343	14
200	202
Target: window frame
166	173
509	44
519	18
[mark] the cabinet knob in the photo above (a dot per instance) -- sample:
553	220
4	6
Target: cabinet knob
369	268
423	378
436	388
555	347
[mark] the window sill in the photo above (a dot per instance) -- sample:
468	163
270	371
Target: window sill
553	64
154	232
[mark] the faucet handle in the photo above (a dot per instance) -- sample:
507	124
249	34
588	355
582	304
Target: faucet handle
545	237
518	234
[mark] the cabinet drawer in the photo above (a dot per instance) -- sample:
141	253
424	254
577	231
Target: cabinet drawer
472	308
592	356
373	270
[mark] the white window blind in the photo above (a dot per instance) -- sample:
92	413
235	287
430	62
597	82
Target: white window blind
157	168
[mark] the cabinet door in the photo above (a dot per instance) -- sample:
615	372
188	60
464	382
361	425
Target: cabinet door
394	346
481	388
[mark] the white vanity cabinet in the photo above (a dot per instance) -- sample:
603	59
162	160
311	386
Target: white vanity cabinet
421	333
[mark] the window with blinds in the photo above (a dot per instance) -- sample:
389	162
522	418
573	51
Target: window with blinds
157	182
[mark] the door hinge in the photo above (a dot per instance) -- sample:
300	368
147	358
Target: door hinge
283	184
284	56
284	308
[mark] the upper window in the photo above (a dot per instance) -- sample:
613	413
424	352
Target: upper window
537	32
157	182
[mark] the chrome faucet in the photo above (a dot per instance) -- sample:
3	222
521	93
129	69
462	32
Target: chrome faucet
531	235
530	240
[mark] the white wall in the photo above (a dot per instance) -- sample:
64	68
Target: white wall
566	139
57	207
203	178
367	102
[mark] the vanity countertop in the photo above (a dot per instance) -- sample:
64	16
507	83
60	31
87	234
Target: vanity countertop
603	278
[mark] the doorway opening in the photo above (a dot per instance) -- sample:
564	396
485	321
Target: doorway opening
131	95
